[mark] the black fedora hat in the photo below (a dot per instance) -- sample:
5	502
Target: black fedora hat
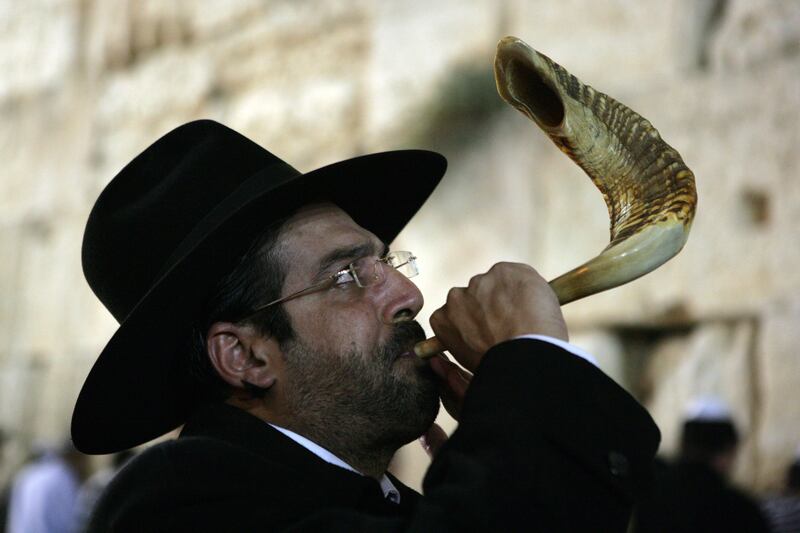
170	225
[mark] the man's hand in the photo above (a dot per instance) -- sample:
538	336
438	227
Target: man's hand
453	385
510	300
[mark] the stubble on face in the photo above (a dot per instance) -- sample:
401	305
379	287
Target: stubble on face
358	400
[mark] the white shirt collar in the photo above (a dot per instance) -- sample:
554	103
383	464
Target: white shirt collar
390	492
565	345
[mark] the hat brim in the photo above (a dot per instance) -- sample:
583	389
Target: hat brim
135	391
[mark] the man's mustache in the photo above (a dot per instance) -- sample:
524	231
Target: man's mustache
404	337
409	332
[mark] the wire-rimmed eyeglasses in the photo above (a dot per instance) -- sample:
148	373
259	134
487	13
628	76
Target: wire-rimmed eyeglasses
364	272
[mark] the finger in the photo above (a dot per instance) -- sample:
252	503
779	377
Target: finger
465	375
453	384
453	376
453	397
433	440
439	366
457	382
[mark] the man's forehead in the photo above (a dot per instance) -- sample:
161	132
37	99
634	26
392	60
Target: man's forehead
316	229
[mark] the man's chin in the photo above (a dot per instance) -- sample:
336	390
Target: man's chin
414	424
423	385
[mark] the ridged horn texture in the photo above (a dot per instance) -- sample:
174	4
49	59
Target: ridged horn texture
649	191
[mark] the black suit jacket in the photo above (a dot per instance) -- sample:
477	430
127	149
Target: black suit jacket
546	442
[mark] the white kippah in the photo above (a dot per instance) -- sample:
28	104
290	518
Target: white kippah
708	409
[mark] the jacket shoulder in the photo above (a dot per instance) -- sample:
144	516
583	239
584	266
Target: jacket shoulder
182	482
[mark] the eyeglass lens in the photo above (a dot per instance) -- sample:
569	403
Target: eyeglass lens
368	271
403	262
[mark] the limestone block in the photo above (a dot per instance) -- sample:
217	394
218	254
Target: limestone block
49	266
38	392
43	144
291	44
779	390
60	386
323	112
576	34
754	33
10	246
217	17
38	290
697	24
168	83
120	33
412	46
107	38
22	378
39	42
271	77
136	106
714	360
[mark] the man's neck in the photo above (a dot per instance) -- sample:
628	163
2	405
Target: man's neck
338	438
372	465
345	439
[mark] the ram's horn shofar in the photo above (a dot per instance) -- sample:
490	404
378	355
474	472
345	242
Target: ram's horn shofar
649	191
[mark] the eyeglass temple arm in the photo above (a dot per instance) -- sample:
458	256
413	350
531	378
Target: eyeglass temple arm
291	296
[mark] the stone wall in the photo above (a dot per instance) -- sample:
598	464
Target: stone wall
87	84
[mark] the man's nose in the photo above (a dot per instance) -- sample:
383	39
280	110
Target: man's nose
399	298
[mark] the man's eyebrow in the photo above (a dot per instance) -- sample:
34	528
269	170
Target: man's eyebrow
349	252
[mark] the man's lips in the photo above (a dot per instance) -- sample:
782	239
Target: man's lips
404	338
406	353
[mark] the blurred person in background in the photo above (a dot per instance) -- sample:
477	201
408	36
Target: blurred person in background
5	489
783	511
263	309
44	492
93	487
693	493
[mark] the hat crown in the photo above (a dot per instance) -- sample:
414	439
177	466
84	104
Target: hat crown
152	205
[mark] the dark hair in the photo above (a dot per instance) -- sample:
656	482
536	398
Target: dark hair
702	440
257	278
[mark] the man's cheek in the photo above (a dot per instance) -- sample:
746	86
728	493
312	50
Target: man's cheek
359	327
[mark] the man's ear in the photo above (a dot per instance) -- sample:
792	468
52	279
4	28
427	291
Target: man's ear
241	354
